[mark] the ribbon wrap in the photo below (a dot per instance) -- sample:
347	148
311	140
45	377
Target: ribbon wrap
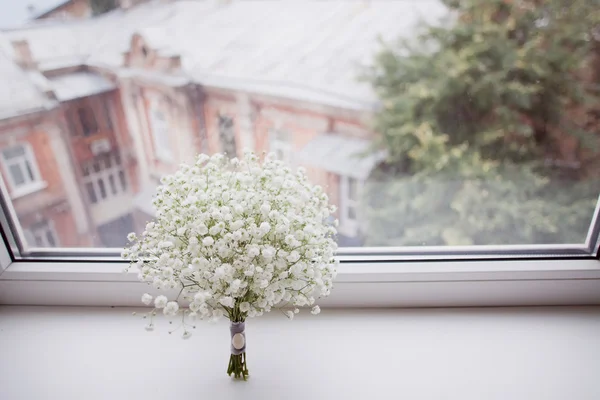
238	328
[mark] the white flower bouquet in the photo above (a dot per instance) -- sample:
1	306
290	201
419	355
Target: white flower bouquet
236	238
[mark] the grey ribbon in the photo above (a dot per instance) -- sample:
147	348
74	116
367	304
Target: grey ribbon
237	327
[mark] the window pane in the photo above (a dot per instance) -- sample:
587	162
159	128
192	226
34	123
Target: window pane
122	179
427	123
17	174
113	187
13	152
91	192
227	135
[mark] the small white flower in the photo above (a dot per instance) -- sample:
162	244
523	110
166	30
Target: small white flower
244	306
208	241
147	299
315	310
289	314
160	301
227	301
171	308
131	236
296	310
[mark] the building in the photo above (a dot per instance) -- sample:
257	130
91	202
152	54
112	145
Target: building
142	89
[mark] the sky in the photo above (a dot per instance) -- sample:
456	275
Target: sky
14	12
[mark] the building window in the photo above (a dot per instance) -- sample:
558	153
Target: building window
349	203
87	120
160	133
42	234
281	145
21	167
227	134
100	176
107	114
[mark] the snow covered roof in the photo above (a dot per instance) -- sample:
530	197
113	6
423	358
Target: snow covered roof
79	84
19	94
15	13
309	50
340	154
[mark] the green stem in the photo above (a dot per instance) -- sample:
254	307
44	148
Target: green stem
238	367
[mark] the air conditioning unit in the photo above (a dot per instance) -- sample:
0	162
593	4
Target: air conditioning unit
100	146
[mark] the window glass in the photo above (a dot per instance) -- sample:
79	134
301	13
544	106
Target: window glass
87	121
21	166
227	134
160	132
429	123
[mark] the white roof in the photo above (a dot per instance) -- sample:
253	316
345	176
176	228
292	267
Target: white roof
79	84
19	93
342	155
15	13
306	49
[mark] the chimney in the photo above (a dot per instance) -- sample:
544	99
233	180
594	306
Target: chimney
23	55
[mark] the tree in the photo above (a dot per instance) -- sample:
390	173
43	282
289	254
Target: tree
102	6
491	122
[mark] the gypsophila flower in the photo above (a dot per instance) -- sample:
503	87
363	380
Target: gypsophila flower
237	238
315	310
171	308
160	301
147	299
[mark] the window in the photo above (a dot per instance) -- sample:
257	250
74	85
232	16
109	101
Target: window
100	175
281	145
227	134
42	234
107	114
444	132
160	133
87	121
349	203
21	168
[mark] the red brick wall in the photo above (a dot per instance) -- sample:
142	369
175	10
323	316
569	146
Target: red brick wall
50	203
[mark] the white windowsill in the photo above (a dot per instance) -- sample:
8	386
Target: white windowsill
407	284
28	189
466	354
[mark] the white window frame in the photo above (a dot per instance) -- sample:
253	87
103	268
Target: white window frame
223	136
160	132
276	144
42	230
92	178
464	278
349	226
31	185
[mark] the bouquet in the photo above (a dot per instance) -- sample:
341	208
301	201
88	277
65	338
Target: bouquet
236	238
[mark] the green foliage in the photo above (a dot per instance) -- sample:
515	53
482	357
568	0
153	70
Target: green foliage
471	110
102	6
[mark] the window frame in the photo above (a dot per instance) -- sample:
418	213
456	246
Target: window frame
93	178
276	144
349	226
453	280
163	149
37	183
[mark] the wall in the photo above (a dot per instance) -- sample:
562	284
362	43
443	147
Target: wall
51	203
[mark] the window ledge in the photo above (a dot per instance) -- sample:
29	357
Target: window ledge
468	354
408	284
28	189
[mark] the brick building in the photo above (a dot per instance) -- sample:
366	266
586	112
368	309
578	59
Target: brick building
138	91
